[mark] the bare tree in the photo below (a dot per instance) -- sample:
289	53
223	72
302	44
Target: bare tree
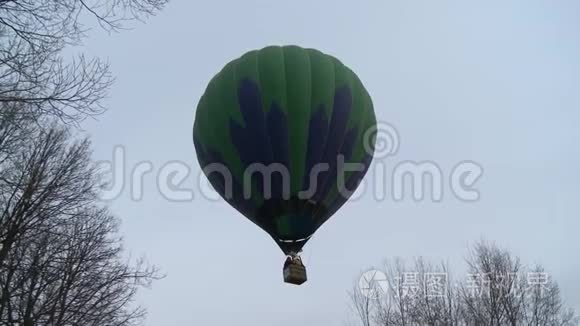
544	304
33	71
508	293
47	177
362	304
497	291
61	259
493	294
73	274
420	294
398	295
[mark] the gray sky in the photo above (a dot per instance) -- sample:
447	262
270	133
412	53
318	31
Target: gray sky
495	82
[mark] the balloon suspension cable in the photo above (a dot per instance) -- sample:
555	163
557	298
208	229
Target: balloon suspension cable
294	255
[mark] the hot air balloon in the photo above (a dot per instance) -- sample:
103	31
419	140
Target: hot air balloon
274	131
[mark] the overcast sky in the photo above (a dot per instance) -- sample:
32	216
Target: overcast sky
493	82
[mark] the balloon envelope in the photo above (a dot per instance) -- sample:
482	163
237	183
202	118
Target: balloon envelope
272	132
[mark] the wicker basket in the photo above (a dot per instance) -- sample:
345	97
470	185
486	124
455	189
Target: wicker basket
295	273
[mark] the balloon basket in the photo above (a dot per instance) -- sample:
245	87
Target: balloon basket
294	271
